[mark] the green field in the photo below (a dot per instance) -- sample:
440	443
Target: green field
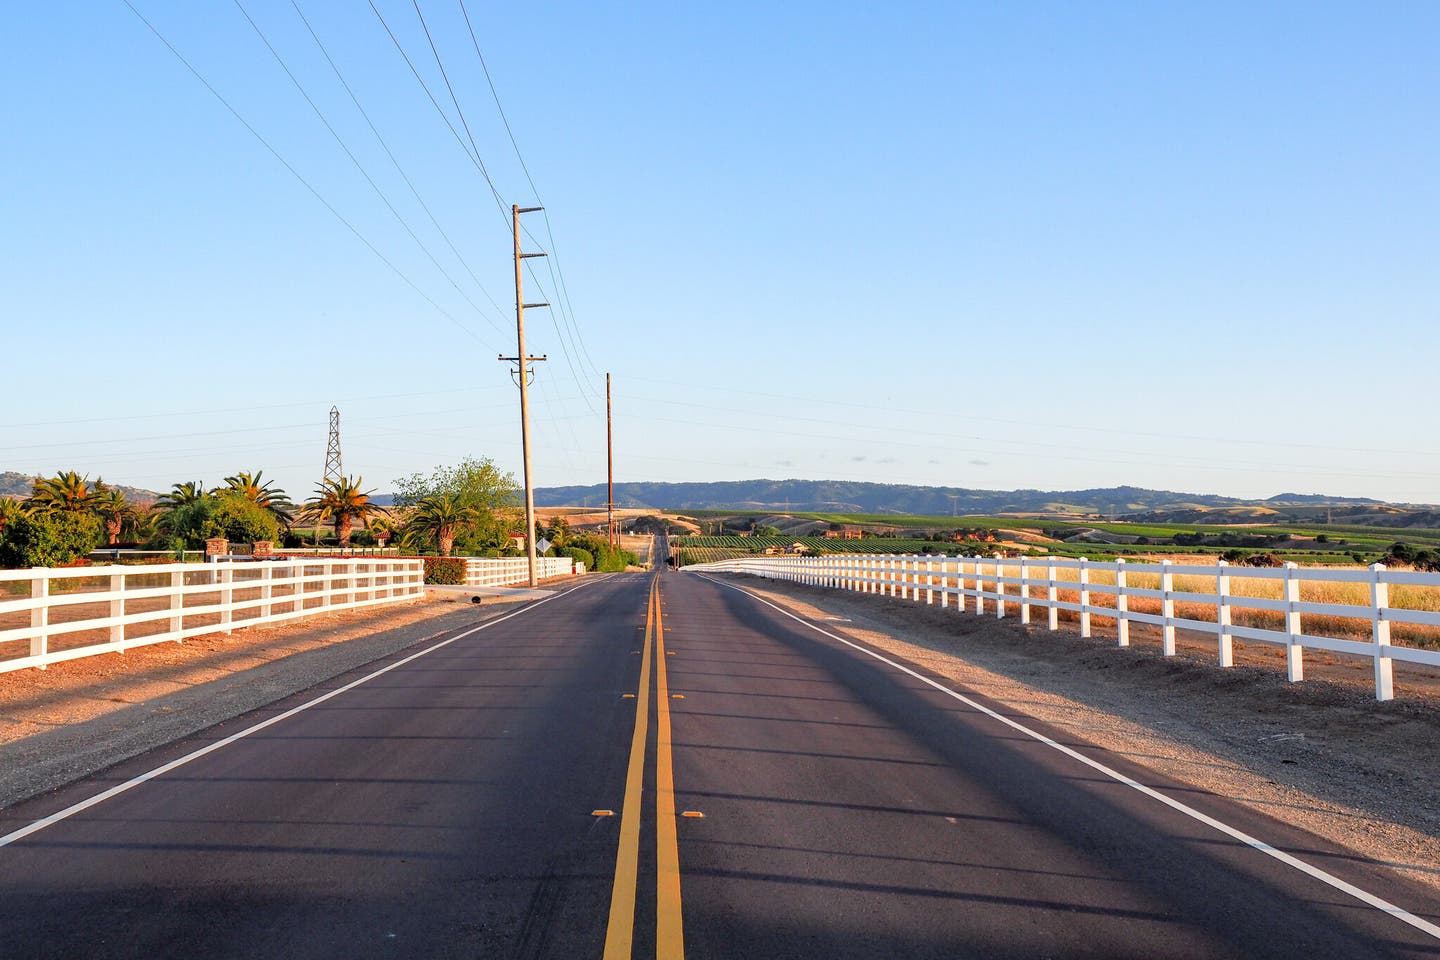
1343	545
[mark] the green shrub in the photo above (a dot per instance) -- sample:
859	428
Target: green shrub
445	570
49	539
579	555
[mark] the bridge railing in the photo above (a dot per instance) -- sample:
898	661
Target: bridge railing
48	615
1348	612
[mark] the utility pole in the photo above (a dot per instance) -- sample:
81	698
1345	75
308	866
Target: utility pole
523	361
610	468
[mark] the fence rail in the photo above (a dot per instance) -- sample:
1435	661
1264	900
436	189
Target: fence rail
505	571
1110	590
50	615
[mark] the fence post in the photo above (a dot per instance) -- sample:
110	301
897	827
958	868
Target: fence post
177	603
1222	614
40	615
1167	609
1380	602
1084	578
1122	605
1052	595
999	587
1294	649
979	586
265	573
227	576
117	608
904	579
1024	590
960	603
889	563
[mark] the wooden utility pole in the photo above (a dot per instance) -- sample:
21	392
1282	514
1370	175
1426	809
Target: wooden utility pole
523	361
610	468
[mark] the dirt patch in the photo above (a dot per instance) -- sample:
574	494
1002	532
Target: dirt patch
80	716
1322	754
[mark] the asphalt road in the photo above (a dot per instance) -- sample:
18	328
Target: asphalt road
766	791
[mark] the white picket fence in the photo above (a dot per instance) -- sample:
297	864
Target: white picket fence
49	615
1023	583
506	571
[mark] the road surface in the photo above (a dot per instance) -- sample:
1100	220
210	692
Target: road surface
661	765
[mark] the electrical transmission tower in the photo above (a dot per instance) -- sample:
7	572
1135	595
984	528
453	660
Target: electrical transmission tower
332	449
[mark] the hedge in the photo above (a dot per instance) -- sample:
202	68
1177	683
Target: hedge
445	570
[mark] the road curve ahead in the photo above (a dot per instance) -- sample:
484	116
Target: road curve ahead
662	766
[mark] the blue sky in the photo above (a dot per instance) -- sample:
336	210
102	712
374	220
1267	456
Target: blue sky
1187	246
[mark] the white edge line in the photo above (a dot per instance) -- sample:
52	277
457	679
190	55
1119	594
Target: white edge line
1364	896
163	769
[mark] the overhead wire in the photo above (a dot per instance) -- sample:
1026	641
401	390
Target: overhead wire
297	175
470	148
558	306
557	272
320	114
384	145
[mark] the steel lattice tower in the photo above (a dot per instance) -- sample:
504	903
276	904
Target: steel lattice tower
333	470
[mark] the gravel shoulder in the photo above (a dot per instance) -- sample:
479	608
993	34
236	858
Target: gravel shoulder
1321	754
81	716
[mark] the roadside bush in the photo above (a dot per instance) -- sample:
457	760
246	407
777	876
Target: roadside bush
579	555
445	570
49	539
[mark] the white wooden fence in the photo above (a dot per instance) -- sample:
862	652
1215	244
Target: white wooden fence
505	571
49	615
1022	583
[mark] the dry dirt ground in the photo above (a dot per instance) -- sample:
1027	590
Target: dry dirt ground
1322	754
80	716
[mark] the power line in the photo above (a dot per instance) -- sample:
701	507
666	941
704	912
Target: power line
557	272
499	201
297	175
389	153
361	168
472	150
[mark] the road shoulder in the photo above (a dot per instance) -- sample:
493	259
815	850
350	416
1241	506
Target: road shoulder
82	716
1357	773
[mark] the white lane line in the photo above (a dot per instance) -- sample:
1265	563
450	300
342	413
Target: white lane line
1364	896
163	769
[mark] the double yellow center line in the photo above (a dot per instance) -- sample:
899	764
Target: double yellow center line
669	935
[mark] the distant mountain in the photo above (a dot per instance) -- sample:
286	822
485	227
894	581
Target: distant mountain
21	485
837	496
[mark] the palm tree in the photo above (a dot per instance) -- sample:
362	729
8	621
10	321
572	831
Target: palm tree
343	503
64	492
115	511
181	495
267	495
441	516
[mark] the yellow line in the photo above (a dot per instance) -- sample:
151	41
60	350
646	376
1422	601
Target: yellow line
621	930
669	927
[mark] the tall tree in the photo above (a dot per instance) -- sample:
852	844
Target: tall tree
342	503
252	487
115	511
66	492
441	517
181	495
